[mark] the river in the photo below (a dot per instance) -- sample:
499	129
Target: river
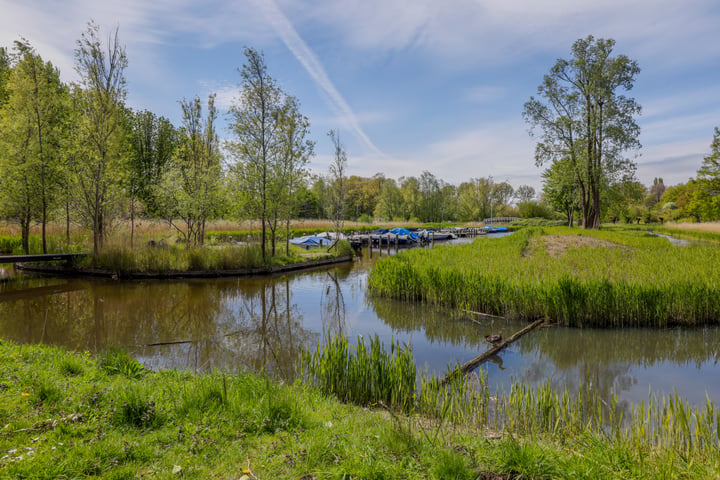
262	323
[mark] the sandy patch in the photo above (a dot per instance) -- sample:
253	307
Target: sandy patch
555	245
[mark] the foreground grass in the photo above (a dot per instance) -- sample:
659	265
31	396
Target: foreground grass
615	278
66	415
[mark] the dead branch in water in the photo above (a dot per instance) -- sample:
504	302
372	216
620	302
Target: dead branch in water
471	364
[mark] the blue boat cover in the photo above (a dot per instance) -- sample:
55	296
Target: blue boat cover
403	231
311	241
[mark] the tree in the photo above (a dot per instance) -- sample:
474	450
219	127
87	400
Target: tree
153	141
255	121
4	74
99	165
32	121
524	194
707	195
657	189
560	188
190	189
337	182
410	189
294	154
390	205
430	208
584	121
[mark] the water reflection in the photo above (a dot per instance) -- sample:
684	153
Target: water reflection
262	323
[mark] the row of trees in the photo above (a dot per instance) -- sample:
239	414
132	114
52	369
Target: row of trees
78	150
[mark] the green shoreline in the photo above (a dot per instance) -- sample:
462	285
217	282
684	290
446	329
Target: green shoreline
68	415
579	278
104	273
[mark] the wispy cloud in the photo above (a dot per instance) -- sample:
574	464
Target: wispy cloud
312	65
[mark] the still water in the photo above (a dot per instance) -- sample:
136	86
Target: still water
262	323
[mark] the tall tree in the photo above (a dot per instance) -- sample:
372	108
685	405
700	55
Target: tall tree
153	140
101	168
31	128
707	195
291	172
190	189
390	205
255	119
337	180
4	73
525	193
561	189
584	120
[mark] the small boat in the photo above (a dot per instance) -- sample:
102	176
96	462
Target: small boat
494	229
430	235
311	241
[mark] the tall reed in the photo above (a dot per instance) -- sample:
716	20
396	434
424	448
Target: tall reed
601	279
370	375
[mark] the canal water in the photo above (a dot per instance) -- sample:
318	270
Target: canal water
262	323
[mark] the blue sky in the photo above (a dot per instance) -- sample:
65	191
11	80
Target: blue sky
411	85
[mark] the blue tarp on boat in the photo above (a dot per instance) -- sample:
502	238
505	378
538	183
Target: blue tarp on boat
403	231
311	241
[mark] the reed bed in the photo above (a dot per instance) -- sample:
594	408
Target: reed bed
370	375
362	374
596	278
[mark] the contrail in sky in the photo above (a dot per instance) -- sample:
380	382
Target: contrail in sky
307	58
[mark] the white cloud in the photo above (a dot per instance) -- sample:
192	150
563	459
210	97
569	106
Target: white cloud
312	65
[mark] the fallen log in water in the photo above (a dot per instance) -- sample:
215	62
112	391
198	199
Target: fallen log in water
471	364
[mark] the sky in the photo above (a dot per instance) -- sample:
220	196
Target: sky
410	85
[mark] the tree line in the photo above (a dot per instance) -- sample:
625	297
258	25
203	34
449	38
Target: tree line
76	153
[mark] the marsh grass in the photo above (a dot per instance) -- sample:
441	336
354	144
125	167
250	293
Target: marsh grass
362	374
117	361
172	424
639	280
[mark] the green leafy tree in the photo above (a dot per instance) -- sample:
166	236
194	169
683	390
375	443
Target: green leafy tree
99	162
390	205
585	121
291	171
337	182
153	141
707	195
4	74
525	193
32	121
191	186
410	189
255	121
560	188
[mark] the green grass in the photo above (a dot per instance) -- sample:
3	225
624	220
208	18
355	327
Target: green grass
66	415
177	258
631	279
84	421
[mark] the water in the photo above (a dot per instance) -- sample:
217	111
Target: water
262	323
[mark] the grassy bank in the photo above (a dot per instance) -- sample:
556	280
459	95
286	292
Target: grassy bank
72	416
579	278
160	259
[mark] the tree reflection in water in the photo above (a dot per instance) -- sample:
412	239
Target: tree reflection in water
332	307
261	323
